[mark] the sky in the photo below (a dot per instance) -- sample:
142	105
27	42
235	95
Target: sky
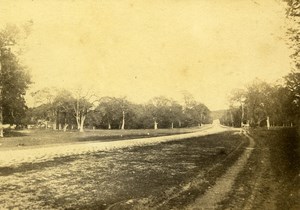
141	49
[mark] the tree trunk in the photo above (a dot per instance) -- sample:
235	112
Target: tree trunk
155	125
65	127
58	120
243	115
179	123
78	122
109	126
81	124
268	122
172	125
123	121
1	114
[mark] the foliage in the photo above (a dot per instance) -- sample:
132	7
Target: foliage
116	113
260	102
14	79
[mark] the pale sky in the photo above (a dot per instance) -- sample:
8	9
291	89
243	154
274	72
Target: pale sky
141	49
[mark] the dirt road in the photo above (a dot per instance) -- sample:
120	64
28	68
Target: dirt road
33	155
222	170
165	173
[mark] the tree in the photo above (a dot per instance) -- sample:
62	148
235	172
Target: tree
264	104
232	117
122	107
82	105
176	113
285	109
194	113
14	79
237	99
113	112
293	85
63	105
293	78
106	111
293	15
45	107
139	117
159	109
259	102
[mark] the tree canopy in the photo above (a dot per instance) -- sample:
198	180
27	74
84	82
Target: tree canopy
14	78
67	109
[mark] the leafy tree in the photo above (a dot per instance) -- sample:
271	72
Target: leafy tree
160	111
122	107
176	113
82	105
63	104
293	85
284	107
232	117
237	99
14	79
263	104
259	102
45	108
105	112
139	117
194	113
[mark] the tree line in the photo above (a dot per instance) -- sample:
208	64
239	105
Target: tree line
264	104
73	110
67	109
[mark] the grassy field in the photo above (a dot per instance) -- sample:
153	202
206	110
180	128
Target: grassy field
271	178
163	176
37	137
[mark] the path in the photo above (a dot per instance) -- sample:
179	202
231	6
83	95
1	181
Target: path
17	157
223	185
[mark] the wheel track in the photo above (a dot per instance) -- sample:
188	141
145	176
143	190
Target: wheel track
214	195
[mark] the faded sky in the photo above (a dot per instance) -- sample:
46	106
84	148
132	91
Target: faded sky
142	49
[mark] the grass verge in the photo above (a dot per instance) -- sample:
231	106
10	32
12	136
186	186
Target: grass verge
38	137
271	178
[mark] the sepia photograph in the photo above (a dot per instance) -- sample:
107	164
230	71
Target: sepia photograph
150	104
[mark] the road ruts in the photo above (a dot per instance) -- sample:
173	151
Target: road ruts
223	185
